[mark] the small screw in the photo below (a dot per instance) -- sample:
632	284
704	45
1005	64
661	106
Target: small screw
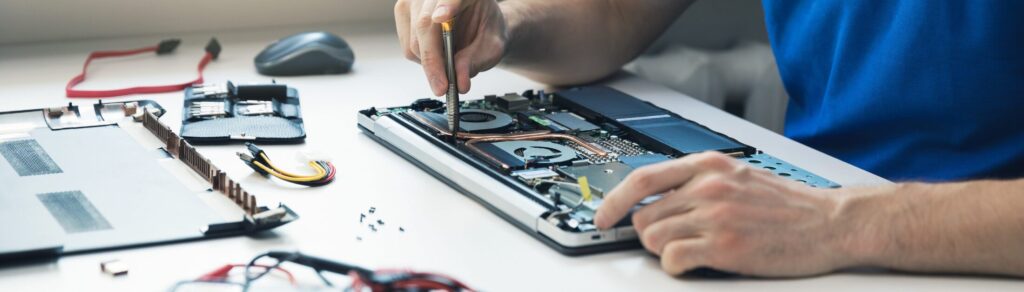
380	222
361	217
359	238
373	209
372	227
400	229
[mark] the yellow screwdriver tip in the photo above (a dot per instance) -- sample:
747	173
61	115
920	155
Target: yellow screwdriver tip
447	25
584	188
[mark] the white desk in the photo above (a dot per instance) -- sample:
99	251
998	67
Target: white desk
445	231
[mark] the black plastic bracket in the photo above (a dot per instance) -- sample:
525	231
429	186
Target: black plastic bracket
213	47
167	46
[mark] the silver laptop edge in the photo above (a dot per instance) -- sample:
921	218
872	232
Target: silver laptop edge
505	199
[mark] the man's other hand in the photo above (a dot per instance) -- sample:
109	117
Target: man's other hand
721	213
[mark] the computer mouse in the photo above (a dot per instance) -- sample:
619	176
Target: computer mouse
307	53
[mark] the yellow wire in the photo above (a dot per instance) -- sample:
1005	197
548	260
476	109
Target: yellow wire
584	188
320	172
278	169
284	177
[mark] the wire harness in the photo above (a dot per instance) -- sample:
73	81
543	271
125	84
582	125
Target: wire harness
363	279
258	160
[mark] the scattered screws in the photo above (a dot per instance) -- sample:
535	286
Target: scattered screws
373	223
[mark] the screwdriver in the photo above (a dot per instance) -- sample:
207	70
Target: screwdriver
452	97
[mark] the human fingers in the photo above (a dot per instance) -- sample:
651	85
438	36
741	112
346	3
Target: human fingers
428	35
705	187
669	205
464	68
639	184
676	227
479	56
447	9
402	23
415	8
682	255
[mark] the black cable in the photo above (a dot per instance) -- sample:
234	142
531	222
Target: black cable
321	275
249	279
388	281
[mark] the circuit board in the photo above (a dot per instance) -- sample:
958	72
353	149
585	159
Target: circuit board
572	147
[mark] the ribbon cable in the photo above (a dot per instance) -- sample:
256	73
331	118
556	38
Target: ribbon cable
164	47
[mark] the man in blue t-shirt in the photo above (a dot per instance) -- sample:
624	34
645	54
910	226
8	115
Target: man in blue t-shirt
915	90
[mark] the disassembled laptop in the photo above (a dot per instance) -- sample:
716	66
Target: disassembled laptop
112	175
556	153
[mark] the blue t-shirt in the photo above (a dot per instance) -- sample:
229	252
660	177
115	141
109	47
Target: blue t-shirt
910	90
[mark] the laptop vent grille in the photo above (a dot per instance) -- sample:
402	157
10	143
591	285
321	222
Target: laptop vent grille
73	211
28	158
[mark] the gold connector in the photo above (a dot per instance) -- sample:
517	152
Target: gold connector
447	25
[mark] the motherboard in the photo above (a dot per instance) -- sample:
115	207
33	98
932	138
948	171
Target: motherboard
568	149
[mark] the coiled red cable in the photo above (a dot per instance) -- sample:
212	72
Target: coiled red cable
164	47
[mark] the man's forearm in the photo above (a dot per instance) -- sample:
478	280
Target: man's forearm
971	227
576	41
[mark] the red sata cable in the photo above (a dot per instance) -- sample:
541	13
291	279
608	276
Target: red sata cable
165	47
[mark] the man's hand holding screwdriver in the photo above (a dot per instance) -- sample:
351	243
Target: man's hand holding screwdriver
480	42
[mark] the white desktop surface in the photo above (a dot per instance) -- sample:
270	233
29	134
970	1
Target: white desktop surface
445	231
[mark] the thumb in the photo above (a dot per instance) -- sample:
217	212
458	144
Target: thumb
447	9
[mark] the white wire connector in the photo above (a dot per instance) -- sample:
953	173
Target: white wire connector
312	155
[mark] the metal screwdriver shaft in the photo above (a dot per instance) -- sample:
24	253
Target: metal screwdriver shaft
452	97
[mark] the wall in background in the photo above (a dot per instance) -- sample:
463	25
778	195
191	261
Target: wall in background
718	52
717	25
24	21
709	24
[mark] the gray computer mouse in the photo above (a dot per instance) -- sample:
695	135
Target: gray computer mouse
307	53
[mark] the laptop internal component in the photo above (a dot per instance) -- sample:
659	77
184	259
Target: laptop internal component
564	151
79	179
228	112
